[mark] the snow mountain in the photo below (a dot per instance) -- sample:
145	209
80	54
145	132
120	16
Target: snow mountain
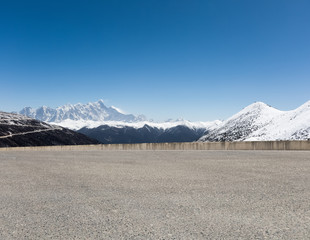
261	122
96	111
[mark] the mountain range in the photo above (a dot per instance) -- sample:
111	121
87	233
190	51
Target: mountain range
143	134
96	111
256	122
110	125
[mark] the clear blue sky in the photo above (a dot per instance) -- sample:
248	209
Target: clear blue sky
197	59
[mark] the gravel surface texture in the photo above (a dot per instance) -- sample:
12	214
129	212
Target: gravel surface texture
155	195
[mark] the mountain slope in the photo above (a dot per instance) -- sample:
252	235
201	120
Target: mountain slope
145	134
17	130
288	125
96	111
259	122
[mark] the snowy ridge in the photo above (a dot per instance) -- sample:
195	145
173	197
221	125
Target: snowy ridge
260	122
75	125
96	111
21	120
14	124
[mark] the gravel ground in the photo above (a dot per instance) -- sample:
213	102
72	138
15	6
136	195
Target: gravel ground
155	195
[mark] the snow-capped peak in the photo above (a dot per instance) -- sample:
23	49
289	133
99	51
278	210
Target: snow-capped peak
259	122
258	112
256	108
96	111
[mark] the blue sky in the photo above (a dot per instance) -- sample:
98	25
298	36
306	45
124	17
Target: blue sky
197	59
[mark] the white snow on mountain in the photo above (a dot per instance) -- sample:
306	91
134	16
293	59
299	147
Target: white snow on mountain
75	125
96	111
13	119
93	115
118	109
286	125
12	124
259	122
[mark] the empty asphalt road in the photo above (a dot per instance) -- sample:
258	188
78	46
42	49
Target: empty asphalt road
154	195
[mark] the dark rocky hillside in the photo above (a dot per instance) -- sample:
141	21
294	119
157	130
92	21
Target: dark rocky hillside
17	130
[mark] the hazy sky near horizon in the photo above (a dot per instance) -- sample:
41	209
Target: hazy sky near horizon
197	59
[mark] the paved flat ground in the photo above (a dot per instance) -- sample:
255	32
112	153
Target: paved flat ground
155	195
